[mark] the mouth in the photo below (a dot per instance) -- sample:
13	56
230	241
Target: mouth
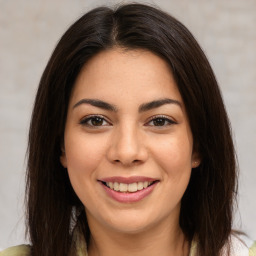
128	188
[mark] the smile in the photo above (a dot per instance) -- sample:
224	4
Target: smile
132	187
128	190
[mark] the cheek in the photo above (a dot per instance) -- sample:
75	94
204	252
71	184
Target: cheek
84	154
174	154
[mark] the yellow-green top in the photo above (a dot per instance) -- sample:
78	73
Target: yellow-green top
238	248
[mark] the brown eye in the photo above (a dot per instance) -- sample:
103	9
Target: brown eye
97	121
94	121
159	122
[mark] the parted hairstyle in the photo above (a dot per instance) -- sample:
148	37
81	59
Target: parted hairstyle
207	205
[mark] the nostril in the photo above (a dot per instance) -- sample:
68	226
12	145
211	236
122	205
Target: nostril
136	161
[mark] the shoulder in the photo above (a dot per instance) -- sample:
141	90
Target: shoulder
241	245
20	250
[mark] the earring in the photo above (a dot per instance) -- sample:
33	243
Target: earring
195	164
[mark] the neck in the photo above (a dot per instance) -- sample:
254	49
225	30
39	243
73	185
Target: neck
161	240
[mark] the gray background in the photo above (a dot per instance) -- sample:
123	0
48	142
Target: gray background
29	30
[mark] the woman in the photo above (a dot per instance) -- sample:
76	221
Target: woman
130	149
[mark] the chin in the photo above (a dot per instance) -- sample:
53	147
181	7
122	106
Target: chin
131	223
127	228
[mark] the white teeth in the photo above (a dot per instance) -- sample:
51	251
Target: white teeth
140	185
132	187
145	184
123	187
111	185
116	186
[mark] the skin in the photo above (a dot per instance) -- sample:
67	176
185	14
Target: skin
126	142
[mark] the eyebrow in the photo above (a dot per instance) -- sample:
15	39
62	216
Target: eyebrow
97	103
142	108
158	103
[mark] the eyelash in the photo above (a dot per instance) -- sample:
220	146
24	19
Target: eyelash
163	118
86	120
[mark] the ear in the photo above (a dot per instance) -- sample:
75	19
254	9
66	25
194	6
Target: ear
196	160
63	158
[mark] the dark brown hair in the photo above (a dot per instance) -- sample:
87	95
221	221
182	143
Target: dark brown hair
207	205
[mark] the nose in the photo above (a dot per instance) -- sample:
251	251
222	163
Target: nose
127	147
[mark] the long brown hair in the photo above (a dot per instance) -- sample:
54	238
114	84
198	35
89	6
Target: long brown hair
207	205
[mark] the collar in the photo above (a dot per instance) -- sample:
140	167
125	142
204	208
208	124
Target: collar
79	247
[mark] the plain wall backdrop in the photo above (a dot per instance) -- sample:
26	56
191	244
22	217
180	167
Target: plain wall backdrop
30	29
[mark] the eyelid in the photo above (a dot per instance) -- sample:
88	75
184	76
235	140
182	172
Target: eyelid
88	117
167	118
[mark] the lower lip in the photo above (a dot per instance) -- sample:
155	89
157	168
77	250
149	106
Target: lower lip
129	197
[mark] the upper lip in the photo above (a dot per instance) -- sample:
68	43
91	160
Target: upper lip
127	180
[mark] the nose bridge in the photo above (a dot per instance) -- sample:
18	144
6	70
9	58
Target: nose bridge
127	146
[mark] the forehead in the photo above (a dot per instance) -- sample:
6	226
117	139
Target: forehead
125	74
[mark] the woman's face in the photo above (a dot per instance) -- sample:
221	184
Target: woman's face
128	144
